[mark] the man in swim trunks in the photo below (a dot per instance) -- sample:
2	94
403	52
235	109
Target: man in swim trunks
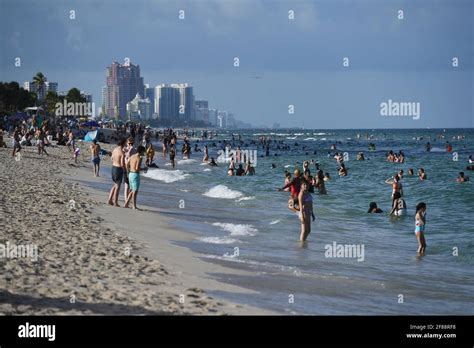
118	168
295	187
129	151
95	150
134	167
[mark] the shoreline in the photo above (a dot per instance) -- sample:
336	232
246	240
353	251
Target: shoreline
121	274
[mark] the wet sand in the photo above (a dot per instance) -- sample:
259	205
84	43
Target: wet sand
94	259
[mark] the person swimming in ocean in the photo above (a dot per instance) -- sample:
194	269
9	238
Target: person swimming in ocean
462	177
449	147
342	170
374	209
295	186
213	162
249	168
411	172
309	180
420	222
399	207
306	213
327	177
421	174
240	171
319	182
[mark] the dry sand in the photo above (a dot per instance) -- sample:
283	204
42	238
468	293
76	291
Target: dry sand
93	258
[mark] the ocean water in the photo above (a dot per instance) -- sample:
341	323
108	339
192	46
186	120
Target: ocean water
244	223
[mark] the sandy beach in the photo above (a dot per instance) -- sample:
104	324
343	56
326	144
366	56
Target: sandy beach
92	258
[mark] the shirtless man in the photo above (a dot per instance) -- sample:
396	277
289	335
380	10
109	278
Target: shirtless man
129	151
134	168
95	150
118	168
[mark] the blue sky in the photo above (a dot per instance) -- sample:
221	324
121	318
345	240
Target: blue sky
300	60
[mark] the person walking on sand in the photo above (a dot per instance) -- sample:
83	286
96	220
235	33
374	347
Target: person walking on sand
16	142
118	167
75	153
95	158
71	144
305	210
134	168
420	222
41	141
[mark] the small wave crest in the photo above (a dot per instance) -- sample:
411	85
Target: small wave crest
166	175
222	191
237	229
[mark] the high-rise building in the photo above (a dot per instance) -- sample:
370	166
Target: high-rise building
186	101
150	94
87	97
139	109
213	120
201	110
166	101
51	86
104	100
43	91
174	101
222	119
123	84
230	121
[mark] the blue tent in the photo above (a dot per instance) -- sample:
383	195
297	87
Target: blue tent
91	136
91	124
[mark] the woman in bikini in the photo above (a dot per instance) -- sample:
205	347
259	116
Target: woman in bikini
306	211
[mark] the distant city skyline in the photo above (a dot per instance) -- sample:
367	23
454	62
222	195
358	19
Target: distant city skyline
334	62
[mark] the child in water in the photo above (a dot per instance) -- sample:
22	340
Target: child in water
374	209
420	222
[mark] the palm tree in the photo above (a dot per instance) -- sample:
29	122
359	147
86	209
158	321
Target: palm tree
40	81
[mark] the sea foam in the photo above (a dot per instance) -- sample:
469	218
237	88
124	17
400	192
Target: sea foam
222	191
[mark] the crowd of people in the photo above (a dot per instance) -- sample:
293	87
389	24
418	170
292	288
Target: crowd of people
135	154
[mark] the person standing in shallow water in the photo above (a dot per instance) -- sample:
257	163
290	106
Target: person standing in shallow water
306	211
134	167
172	153
95	158
420	222
118	168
